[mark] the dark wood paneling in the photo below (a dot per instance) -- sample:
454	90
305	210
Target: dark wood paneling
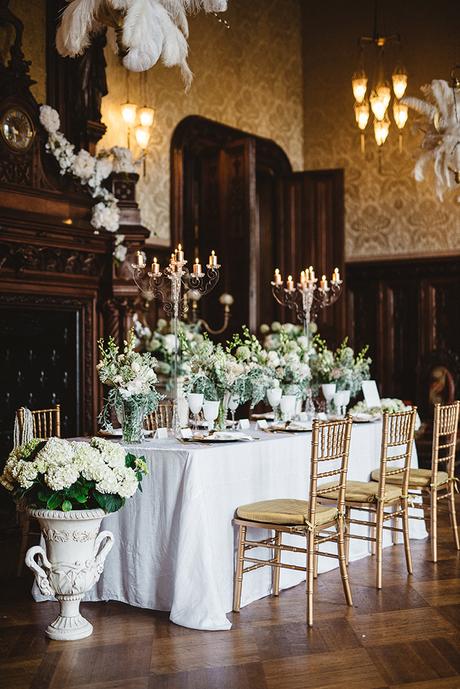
404	310
236	192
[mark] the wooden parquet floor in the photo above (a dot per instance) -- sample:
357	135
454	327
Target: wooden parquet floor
405	637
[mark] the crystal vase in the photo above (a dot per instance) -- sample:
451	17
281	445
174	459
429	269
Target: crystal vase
132	421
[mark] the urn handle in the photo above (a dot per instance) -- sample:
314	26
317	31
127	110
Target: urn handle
101	554
40	574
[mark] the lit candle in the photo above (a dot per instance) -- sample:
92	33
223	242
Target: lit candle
290	283
197	267
179	253
140	259
278	280
155	266
312	273
302	278
213	258
323	283
336	275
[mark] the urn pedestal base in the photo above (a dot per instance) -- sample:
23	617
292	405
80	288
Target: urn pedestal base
69	625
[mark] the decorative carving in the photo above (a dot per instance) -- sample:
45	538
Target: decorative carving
16	169
61	536
49	259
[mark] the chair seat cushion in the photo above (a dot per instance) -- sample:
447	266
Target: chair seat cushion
418	478
361	491
285	511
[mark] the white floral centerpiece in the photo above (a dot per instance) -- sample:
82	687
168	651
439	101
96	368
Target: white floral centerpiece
131	378
388	404
341	367
288	356
69	487
161	342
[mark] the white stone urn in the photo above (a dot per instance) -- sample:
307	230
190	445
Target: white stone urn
71	565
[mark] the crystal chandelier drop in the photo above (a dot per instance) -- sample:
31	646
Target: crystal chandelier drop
373	96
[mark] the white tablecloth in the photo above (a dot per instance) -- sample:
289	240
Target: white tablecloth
175	543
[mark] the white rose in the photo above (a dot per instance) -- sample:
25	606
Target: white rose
84	165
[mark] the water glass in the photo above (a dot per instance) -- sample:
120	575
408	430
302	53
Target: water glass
211	412
195	403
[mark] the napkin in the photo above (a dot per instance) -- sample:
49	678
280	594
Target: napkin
225	435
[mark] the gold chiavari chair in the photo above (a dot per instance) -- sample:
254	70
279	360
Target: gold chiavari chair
160	418
373	498
316	523
46	424
436	484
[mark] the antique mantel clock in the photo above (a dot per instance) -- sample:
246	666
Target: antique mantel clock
16	129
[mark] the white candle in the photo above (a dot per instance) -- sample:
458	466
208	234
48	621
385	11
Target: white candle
140	259
179	253
336	275
155	266
312	273
290	283
278	280
323	283
197	267
213	258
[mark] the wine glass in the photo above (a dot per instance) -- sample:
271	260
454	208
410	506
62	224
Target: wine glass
328	392
288	405
195	402
274	398
211	412
233	403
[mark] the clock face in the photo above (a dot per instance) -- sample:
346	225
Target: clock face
17	129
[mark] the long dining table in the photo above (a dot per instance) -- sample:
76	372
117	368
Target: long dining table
175	543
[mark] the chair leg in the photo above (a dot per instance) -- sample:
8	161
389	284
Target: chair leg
315	566
379	543
347	534
24	521
239	570
342	561
310	573
453	517
434	525
405	525
277	570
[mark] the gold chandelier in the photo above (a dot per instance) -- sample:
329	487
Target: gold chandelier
375	96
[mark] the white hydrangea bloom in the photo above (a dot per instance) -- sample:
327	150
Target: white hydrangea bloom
57	452
26	474
127	481
49	119
60	477
84	165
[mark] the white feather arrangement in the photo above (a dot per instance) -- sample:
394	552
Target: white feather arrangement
441	141
150	29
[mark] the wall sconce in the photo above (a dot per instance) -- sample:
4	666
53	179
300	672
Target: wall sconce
146	116
226	300
128	113
142	134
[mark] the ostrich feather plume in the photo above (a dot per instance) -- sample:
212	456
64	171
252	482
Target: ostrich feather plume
441	141
151	29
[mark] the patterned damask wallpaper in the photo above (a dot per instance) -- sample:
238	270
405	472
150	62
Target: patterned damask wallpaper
249	77
32	15
387	213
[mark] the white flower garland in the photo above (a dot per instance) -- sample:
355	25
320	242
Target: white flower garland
91	171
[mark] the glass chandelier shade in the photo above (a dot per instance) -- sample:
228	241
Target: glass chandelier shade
359	85
381	130
399	78
400	114
362	113
142	134
380	99
146	116
128	113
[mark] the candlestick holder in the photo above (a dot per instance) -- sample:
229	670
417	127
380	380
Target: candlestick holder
170	286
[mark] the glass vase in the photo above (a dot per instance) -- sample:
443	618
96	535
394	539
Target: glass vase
132	421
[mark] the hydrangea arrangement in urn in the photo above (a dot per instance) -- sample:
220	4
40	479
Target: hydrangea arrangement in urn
341	367
69	487
131	378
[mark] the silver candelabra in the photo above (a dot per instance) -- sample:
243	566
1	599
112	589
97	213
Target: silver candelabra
170	286
307	297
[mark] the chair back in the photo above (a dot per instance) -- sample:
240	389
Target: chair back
397	442
445	425
330	449
46	422
160	418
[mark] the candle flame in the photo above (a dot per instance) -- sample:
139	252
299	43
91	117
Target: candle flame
213	253
179	247
197	260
